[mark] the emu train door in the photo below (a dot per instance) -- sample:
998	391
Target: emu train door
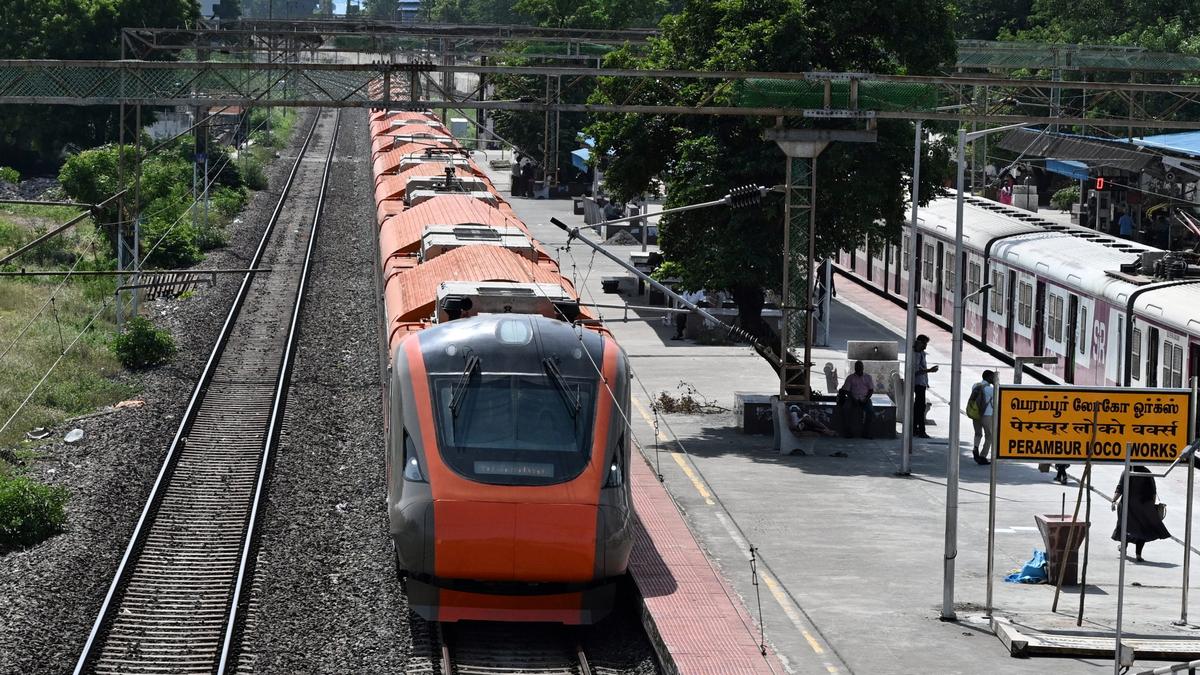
1039	318
939	278
1072	338
1193	360
1152	358
1010	310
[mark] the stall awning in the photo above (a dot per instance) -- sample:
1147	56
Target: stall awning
1068	167
1096	154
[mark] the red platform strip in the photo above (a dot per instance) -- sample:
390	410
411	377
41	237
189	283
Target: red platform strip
695	621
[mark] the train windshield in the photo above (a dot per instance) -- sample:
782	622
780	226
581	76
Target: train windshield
515	429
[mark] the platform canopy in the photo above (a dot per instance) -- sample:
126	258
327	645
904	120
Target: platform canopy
1183	143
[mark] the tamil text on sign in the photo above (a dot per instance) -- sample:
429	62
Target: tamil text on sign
1059	424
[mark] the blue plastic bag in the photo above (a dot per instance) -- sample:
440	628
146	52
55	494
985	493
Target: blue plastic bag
1033	572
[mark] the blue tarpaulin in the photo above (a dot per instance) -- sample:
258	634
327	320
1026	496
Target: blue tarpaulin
580	157
1184	143
1068	167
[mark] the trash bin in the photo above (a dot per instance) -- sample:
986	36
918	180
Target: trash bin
1056	529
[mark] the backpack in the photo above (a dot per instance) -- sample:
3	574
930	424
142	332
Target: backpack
975	403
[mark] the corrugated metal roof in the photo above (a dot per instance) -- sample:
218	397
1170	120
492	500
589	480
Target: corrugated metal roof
388	208
402	233
1184	143
388	161
1096	153
389	126
411	296
393	186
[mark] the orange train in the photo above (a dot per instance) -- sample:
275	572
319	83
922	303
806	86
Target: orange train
507	447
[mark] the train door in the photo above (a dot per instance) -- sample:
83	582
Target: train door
1039	318
869	255
1193	360
1010	311
1072	338
1152	358
939	285
899	261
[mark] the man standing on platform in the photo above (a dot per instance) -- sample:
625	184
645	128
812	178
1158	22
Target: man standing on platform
920	384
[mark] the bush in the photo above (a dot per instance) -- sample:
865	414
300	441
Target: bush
1064	198
142	345
29	511
255	176
9	174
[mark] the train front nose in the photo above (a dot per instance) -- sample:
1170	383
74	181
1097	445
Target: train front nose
496	541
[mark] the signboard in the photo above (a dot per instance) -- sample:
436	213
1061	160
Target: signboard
1057	424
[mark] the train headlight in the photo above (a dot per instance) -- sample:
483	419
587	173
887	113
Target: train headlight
615	477
412	465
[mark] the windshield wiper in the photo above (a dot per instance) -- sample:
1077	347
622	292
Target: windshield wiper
572	400
460	387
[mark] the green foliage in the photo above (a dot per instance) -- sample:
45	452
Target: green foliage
1158	25
142	345
228	10
471	11
33	136
279	9
167	235
1064	198
863	188
590	13
29	511
9	174
987	19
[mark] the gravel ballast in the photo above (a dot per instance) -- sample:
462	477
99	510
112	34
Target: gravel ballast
326	597
50	593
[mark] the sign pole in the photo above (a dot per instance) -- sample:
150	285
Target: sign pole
1121	575
991	562
1187	520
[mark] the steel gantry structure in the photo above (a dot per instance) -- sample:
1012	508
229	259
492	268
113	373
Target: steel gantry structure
792	99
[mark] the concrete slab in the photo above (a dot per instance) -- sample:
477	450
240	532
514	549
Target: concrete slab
848	557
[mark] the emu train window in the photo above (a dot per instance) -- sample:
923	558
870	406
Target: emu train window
1172	365
514	429
974	281
996	304
1054	327
1025	304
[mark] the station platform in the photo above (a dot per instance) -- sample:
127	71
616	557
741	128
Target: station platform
694	620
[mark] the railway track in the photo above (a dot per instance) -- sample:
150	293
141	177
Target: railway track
508	648
180	592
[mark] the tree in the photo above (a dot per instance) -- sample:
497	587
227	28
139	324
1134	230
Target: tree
862	188
382	9
990	20
32	137
228	10
1158	25
590	13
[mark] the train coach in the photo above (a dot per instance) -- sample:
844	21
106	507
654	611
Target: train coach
508	454
1112	311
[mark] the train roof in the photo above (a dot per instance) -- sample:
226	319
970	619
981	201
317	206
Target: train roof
1076	263
980	225
1172	306
401	233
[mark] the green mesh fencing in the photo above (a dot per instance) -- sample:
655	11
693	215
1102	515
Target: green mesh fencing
804	94
1045	56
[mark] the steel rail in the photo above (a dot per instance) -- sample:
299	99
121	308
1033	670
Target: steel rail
140	530
275	425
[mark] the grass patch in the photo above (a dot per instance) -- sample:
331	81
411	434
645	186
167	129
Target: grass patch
84	380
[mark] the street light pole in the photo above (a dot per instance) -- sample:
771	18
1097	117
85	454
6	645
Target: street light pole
950	551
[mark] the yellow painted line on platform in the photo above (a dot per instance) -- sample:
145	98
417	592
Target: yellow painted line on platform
679	459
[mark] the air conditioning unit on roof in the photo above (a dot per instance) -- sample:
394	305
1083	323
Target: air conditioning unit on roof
438	239
418	197
461	299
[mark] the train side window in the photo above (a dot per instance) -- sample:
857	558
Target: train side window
1172	365
1135	354
928	263
948	270
974	280
1082	330
996	304
1025	304
1054	312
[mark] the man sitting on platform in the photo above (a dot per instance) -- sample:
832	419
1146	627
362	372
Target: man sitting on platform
859	413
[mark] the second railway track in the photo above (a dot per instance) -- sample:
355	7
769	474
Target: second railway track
174	602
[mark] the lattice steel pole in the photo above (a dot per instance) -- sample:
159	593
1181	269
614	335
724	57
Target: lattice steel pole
802	146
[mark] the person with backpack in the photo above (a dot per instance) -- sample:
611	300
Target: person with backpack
979	409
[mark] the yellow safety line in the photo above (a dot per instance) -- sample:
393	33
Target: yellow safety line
772	585
678	457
